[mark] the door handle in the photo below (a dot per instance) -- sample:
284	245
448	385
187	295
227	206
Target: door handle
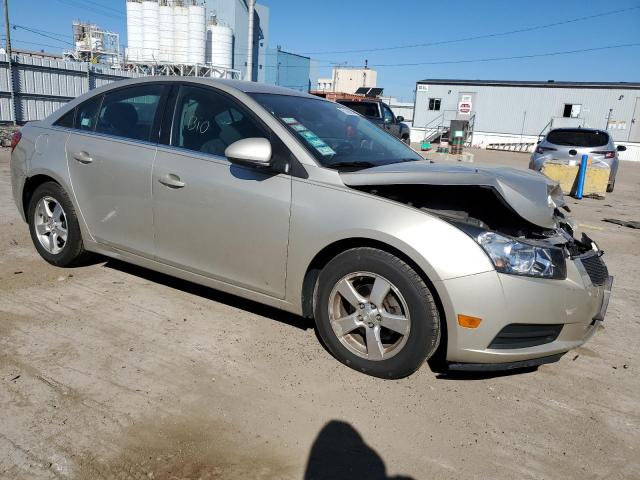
83	157
172	181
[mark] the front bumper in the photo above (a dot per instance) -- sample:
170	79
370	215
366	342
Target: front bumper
500	300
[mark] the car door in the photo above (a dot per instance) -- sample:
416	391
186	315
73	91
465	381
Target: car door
211	217
390	124
110	157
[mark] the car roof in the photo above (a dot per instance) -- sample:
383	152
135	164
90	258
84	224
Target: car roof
577	129
224	84
240	85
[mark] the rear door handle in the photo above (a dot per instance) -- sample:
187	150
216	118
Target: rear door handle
83	157
171	180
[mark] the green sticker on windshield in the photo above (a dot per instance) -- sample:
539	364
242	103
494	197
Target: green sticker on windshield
311	138
326	150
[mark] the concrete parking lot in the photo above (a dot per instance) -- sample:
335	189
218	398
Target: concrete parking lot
112	371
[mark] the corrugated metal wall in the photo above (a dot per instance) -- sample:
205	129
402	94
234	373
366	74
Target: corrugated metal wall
501	109
42	85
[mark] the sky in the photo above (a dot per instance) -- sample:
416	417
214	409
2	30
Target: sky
330	30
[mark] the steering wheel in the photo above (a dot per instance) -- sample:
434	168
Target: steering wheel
345	148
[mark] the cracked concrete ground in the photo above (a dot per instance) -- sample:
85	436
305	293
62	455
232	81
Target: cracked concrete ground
112	371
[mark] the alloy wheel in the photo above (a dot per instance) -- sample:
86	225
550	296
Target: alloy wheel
369	316
50	221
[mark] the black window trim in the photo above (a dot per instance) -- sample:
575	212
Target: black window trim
294	167
154	134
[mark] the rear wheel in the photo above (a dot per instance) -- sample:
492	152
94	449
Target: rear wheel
54	227
376	314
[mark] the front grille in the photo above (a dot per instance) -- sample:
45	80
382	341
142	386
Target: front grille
596	269
523	335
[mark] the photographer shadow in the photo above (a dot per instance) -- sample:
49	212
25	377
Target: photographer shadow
340	453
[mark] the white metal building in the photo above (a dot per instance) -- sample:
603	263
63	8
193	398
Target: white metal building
348	79
504	111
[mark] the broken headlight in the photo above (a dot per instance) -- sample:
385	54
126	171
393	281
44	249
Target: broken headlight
516	257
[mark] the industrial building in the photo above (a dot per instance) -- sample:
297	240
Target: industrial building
287	69
520	111
198	37
348	80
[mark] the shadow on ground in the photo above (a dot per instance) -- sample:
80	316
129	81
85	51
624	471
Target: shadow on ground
339	453
210	294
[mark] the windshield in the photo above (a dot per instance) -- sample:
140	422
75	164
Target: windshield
336	136
577	138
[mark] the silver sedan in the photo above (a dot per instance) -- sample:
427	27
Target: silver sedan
303	204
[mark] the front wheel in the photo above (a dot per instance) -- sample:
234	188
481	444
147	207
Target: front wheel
407	140
54	227
376	314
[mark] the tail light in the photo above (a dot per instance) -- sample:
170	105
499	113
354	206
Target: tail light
15	140
606	153
540	149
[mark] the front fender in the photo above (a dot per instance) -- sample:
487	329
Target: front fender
322	215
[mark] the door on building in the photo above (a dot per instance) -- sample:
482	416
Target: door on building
634	131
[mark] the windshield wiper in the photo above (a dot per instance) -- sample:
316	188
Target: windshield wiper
352	165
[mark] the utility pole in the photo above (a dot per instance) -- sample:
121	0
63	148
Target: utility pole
251	8
7	28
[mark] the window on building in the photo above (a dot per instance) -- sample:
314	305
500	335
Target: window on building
434	103
130	112
571	110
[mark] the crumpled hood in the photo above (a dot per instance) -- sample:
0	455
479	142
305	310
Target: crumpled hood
530	194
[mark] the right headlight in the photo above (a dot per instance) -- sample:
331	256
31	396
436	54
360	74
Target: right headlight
517	257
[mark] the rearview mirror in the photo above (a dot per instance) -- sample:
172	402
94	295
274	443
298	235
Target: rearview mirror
621	148
253	152
400	118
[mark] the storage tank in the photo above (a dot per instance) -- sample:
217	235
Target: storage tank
220	39
151	31
134	30
167	53
197	33
181	34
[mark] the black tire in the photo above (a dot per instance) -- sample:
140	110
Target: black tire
611	186
73	252
407	140
424	335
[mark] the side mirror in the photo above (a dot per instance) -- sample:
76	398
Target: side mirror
621	148
252	152
400	119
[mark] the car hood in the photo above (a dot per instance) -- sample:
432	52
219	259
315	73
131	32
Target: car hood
530	194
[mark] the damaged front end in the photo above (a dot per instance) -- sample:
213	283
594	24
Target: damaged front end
516	217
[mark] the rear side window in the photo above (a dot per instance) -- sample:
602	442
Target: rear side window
130	112
87	113
577	138
67	119
363	108
209	122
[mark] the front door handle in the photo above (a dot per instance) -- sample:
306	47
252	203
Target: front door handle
172	181
83	157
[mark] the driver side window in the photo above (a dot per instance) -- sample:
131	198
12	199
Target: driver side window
388	114
208	122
